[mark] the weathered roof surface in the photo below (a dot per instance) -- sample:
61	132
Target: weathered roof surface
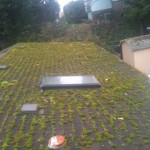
138	43
115	116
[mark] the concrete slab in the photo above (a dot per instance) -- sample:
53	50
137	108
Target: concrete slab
3	67
29	108
41	112
58	82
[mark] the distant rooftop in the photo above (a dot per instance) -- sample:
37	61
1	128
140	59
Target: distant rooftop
138	43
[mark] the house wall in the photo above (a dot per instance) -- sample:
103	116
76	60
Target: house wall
87	5
90	16
97	5
118	8
142	60
128	54
101	15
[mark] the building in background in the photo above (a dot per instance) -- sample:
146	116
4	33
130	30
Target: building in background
136	52
118	8
88	9
104	9
101	9
61	14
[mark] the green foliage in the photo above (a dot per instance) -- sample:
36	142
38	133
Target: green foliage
75	12
139	10
110	34
20	18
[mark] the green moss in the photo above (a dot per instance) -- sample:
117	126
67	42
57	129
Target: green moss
4	84
81	115
29	143
146	141
5	146
128	140
134	124
41	140
18	138
132	135
113	145
86	132
98	137
85	141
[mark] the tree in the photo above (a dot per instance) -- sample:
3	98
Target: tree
139	11
75	12
18	16
45	11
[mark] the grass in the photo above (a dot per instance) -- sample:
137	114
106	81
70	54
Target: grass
114	116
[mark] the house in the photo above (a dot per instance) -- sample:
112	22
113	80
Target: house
118	8
101	9
136	52
104	9
88	9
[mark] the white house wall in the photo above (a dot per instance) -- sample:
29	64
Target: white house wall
142	60
90	16
128	54
97	5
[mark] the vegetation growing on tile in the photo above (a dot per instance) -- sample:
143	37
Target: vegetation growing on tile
116	115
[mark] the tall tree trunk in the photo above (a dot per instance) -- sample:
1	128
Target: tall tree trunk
142	28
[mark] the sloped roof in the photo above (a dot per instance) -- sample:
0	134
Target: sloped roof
138	43
88	118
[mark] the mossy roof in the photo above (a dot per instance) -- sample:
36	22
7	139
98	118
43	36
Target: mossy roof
138	43
116	115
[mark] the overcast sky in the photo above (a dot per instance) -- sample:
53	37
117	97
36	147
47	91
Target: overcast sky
62	3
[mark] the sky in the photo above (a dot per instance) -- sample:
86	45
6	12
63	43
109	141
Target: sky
62	3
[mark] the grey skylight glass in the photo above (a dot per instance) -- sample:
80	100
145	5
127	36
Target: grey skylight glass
3	67
56	82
